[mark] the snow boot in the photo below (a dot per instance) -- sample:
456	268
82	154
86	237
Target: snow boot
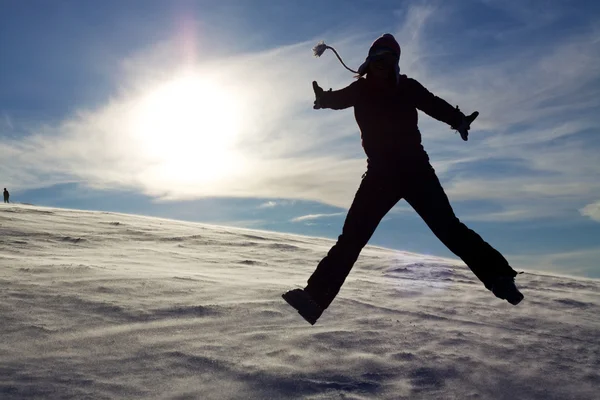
505	289
306	306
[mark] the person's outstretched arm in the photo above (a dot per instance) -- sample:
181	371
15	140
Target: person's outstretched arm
336	99
434	106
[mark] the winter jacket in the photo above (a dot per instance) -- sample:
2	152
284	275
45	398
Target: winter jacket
387	116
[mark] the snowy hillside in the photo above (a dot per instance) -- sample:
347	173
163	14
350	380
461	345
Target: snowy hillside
101	305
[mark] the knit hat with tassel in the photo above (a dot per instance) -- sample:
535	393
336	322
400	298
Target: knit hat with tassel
385	44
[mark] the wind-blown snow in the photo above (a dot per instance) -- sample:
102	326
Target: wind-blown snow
103	305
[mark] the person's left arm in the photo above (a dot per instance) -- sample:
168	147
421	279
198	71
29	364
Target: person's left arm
434	106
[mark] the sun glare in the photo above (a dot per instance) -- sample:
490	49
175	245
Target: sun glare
186	129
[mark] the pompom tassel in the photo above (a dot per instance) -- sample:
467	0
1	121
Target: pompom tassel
320	48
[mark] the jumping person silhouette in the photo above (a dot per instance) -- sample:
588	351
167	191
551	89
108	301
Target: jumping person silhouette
385	107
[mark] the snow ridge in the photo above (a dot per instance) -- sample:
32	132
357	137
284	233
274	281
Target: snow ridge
105	305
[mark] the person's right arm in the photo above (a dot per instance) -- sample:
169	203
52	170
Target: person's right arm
336	99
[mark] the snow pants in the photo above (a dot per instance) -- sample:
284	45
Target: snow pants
381	188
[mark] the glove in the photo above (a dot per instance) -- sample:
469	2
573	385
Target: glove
465	125
318	93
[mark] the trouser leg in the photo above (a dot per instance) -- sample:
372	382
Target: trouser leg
429	200
374	198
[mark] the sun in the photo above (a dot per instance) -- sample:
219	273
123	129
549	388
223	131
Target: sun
186	129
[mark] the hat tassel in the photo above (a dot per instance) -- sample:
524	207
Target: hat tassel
320	48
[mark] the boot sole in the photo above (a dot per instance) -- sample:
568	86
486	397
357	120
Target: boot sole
305	306
516	300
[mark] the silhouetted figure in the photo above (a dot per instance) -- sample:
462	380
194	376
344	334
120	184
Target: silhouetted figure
385	107
6	196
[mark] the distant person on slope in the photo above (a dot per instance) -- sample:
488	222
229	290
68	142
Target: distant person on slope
6	196
385	107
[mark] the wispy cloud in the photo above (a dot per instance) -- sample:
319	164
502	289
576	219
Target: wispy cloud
268	204
592	210
278	203
312	217
7	120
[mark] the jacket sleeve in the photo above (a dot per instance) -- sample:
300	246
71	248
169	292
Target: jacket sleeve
434	106
340	99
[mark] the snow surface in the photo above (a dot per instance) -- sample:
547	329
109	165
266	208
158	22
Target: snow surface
101	305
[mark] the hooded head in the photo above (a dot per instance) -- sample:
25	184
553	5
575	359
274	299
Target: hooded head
385	44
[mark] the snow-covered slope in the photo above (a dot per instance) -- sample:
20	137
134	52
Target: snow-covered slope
103	305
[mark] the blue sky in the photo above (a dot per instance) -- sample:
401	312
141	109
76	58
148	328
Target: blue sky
202	110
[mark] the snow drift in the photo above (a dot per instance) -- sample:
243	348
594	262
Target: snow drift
103	305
